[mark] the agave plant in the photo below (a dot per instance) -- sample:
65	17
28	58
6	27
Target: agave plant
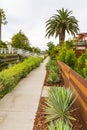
59	125
58	103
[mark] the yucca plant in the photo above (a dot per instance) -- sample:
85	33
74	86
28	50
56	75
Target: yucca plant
58	103
59	125
51	126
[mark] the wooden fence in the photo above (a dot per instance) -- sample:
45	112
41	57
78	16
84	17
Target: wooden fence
79	85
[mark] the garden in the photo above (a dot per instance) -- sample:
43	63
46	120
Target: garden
64	105
63	101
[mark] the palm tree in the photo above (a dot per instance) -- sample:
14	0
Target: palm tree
61	23
2	20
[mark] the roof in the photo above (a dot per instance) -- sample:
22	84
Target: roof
82	36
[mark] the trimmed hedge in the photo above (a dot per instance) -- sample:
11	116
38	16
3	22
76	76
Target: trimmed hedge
10	77
3	56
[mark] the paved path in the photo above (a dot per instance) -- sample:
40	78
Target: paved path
18	108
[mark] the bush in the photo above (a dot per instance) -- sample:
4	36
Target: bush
81	64
10	77
59	125
53	69
85	70
53	77
57	105
67	56
70	58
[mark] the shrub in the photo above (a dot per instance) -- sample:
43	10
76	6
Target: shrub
70	58
58	103
10	77
85	70
81	63
53	69
67	56
62	54
59	125
51	63
53	77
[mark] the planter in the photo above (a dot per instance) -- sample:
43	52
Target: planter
40	124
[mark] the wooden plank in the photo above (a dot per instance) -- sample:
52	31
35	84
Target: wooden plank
77	84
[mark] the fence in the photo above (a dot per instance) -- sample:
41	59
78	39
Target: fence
16	51
79	85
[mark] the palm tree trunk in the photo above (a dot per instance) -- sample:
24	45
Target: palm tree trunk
61	38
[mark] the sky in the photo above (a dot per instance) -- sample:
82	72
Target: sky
30	16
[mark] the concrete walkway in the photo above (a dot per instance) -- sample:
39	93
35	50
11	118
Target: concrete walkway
18	108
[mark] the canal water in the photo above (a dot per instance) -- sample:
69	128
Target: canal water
8	64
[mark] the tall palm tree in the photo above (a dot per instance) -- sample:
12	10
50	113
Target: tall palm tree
61	23
2	20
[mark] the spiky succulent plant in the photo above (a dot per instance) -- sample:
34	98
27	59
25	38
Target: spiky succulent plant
58	104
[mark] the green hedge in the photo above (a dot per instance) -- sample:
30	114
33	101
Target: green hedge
10	77
8	55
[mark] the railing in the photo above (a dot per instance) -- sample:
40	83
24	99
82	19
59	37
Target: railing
79	85
16	51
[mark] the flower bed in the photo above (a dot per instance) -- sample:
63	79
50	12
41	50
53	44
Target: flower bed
40	120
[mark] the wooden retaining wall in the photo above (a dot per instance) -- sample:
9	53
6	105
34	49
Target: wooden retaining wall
79	85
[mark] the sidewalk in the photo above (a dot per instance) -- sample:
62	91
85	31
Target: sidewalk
18	108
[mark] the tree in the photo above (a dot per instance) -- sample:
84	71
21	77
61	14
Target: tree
2	20
50	47
3	44
36	50
20	40
61	23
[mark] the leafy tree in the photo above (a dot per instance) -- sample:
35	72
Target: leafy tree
50	47
36	50
2	44
61	23
2	20
19	40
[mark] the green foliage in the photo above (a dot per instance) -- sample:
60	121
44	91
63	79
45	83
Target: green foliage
81	64
59	125
8	55
61	23
19	40
85	69
58	103
67	55
53	69
70	58
62	53
36	50
2	19
51	63
2	44
69	44
10	77
52	50
53	77
50	46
